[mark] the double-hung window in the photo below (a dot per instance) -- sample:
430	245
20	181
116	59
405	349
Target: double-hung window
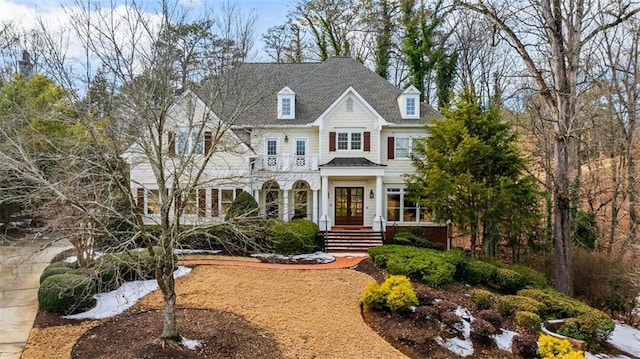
286	107
410	110
226	198
153	201
188	142
403	147
349	141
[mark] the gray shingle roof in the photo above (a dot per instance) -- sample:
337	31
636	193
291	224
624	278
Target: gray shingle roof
316	85
351	162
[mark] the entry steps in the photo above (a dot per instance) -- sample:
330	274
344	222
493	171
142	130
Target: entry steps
351	239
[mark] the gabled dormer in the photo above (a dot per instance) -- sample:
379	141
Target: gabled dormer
286	104
409	102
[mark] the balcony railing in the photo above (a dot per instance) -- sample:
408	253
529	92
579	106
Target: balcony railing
286	162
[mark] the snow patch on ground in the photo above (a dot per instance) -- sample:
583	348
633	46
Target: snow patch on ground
73	259
191	344
194	251
626	338
464	346
112	303
319	257
503	340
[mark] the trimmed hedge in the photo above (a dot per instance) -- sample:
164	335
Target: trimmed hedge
533	278
510	304
66	293
297	236
54	269
509	280
437	268
479	272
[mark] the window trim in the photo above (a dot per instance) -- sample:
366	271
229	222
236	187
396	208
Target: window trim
221	211
396	147
283	113
412	107
401	190
350	140
195	143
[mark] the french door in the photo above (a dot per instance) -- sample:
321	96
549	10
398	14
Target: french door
349	205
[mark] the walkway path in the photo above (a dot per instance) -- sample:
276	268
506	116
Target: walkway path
340	263
20	269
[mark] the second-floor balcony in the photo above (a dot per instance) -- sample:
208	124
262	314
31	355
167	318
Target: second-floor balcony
287	162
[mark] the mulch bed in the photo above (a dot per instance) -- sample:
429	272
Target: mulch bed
222	335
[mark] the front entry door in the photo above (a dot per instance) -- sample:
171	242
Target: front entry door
349	205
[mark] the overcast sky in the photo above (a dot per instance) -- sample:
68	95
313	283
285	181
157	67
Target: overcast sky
25	12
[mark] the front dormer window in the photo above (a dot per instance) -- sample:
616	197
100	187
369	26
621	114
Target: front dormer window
411	106
409	103
286	107
286	104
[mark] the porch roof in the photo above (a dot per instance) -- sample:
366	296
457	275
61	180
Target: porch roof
351	162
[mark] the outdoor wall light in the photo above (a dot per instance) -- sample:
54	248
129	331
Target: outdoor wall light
286	138
371	194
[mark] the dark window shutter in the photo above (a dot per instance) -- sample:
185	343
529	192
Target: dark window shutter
140	200
391	147
202	202
172	143
367	141
238	191
214	203
207	142
332	141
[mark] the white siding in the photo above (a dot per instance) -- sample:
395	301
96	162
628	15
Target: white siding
358	119
398	166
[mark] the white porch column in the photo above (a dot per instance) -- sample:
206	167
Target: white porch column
325	220
256	195
285	207
378	221
314	206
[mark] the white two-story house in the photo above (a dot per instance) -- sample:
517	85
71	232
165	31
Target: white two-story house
327	141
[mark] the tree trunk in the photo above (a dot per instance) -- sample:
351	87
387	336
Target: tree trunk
561	216
169	329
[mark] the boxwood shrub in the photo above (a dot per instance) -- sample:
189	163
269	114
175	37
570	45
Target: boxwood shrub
510	304
528	320
533	278
294	237
479	272
53	269
66	293
509	280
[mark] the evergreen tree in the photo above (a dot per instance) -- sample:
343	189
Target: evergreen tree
470	172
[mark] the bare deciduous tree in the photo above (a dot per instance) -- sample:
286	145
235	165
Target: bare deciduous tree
550	36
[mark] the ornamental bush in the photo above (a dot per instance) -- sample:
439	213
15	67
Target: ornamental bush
492	317
66	293
510	304
528	320
509	280
593	327
243	207
395	294
482	299
53	269
525	346
294	237
552	348
533	278
479	272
